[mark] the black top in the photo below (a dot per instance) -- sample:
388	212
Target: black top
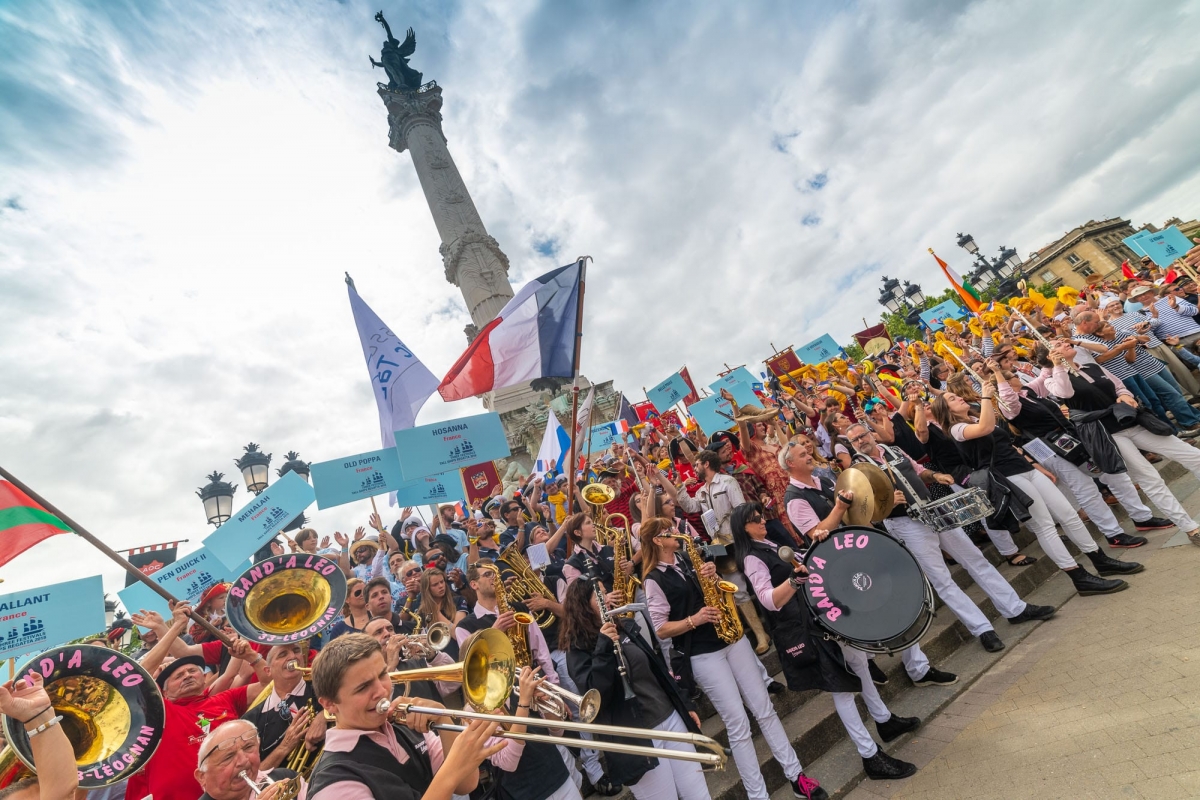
906	439
945	454
539	773
1096	395
273	724
979	453
372	765
685	597
586	562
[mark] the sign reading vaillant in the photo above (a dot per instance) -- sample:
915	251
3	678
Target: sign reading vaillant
37	619
443	446
188	579
344	480
258	521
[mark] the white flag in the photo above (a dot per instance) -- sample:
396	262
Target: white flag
583	419
555	444
400	381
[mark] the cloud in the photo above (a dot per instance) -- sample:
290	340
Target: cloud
193	180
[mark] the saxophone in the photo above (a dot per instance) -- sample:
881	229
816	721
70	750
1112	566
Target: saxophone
516	634
622	551
717	594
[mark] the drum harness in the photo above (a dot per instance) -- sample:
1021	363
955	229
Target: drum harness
891	466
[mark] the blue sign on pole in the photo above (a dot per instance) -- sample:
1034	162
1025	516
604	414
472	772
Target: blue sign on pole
344	480
1135	245
668	392
1165	246
818	350
739	375
258	521
713	414
445	487
602	437
188	578
444	446
38	619
932	318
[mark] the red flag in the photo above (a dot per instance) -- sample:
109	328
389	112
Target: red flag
784	362
479	480
874	340
1126	271
693	396
645	411
23	523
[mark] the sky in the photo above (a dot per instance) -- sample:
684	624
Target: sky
183	185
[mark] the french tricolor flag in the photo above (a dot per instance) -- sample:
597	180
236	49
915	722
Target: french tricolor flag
532	337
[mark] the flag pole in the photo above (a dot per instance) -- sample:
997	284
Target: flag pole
582	261
79	530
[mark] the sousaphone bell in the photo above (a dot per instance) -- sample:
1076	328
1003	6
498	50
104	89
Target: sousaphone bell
112	713
284	599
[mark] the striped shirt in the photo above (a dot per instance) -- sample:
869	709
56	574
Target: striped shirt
1117	365
1126	322
1176	321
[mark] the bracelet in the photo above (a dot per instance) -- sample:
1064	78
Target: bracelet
691	624
53	721
522	706
796	582
35	716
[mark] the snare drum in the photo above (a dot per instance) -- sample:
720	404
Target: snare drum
865	589
956	510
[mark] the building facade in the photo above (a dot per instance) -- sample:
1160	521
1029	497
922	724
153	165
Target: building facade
1092	249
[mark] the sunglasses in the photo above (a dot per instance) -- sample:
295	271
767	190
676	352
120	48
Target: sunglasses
755	520
357	593
412	572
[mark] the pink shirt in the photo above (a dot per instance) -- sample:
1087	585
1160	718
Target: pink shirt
656	601
1058	382
759	578
341	740
800	511
570	574
537	643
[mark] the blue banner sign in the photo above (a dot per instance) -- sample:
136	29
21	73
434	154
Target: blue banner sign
258	521
818	350
34	620
933	317
1166	246
668	392
742	393
445	487
344	480
729	379
445	446
188	579
1135	245
713	414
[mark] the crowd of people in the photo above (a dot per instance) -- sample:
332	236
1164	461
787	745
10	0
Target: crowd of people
1058	405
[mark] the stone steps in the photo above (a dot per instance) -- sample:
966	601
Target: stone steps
809	717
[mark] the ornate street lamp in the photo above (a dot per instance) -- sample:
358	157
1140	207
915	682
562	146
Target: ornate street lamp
1010	260
890	295
217	497
984	274
254	466
912	293
294	464
967	243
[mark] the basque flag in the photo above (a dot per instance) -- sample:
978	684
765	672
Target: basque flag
532	337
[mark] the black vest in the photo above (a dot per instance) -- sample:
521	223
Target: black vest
372	765
821	499
686	598
1040	418
585	562
979	453
781	571
472	623
905	468
945	454
1093	396
539	773
272	725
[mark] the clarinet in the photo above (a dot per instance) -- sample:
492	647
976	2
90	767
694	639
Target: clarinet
622	666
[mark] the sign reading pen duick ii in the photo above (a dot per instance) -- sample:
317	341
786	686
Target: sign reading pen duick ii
455	443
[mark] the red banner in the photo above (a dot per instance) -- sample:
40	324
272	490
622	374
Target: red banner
645	411
874	340
782	363
693	396
479	480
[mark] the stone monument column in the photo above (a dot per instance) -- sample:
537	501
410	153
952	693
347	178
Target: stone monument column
473	259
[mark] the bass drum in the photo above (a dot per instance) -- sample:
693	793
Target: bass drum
865	589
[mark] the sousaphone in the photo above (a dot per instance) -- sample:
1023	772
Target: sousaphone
284	599
874	496
112	713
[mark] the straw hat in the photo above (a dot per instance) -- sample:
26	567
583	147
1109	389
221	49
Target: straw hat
751	413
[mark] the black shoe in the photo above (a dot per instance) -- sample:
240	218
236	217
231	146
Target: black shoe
991	642
1123	541
882	767
1152	524
775	687
1032	613
1107	565
1088	584
878	676
807	788
895	727
935	677
607	788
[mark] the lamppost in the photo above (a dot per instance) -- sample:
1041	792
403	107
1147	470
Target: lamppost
254	465
895	299
1006	269
217	497
301	468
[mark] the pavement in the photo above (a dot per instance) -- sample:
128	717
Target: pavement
1101	701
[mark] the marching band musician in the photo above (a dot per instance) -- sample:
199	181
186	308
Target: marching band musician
482	578
728	673
393	655
589	557
592	661
231	752
809	660
26	701
369	756
286	717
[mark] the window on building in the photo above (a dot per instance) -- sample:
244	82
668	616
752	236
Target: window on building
1073	259
1049	276
1085	270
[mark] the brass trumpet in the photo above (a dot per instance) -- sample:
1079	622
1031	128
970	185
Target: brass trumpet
429	643
555	701
293	786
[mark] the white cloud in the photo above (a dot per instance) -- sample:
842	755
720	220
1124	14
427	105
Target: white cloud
193	180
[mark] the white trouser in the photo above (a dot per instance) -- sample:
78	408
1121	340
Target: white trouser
852	722
916	664
590	758
1083	488
1000	537
1049	505
856	660
729	679
925	545
568	791
1145	475
672	778
1121	485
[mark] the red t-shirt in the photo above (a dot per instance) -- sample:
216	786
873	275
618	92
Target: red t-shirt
169	773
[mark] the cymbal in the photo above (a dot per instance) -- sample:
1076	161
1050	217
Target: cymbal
881	486
856	481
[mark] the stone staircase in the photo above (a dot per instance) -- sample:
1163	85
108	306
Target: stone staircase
809	717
